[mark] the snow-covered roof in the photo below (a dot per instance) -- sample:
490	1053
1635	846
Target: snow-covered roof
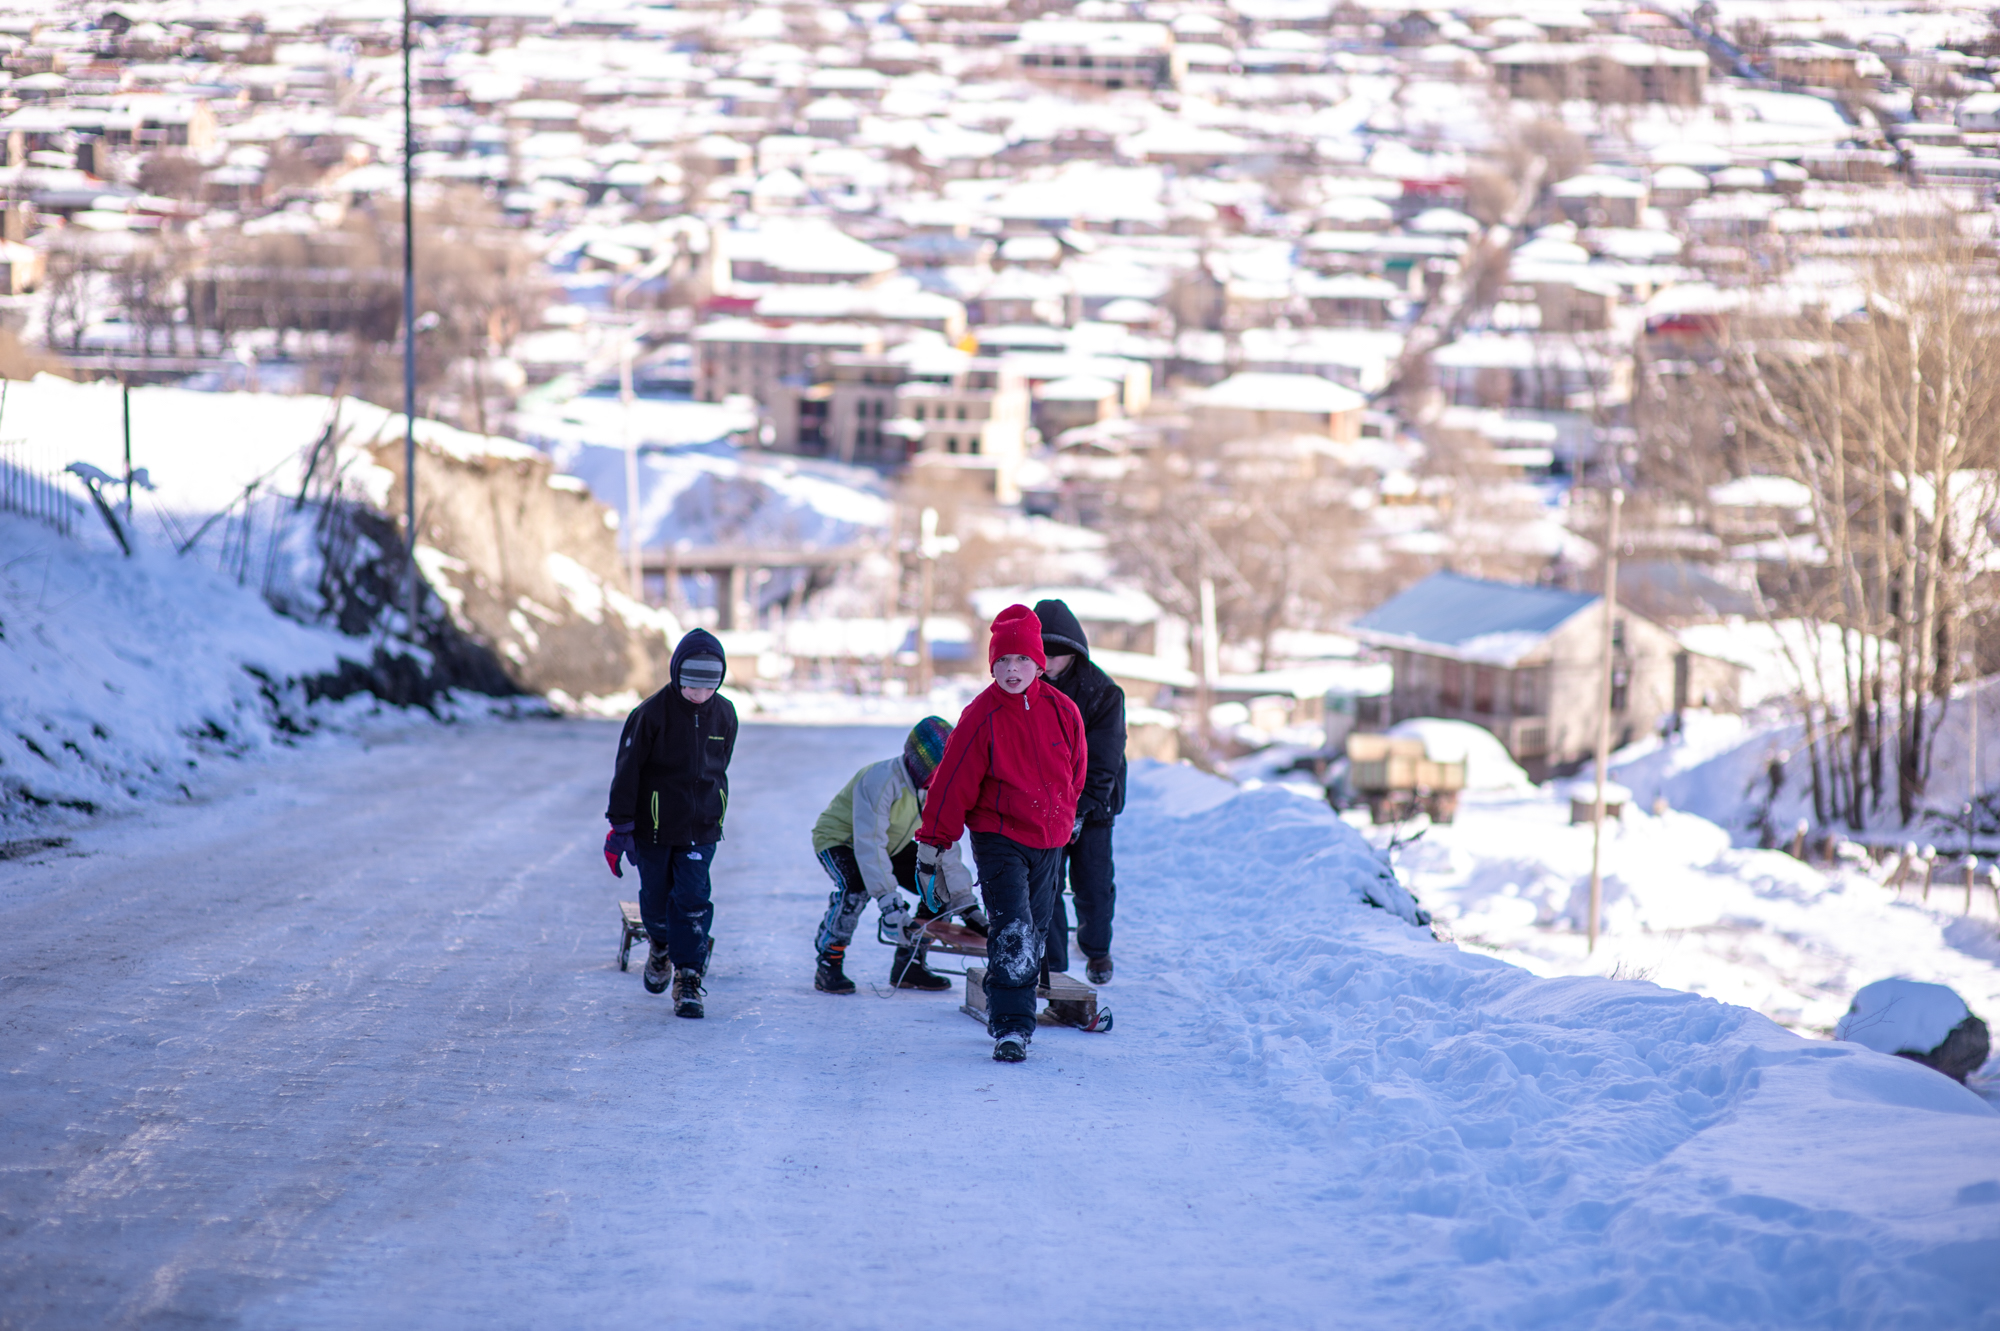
1092	605
1761	492
1254	391
1595	186
1499	623
1103	38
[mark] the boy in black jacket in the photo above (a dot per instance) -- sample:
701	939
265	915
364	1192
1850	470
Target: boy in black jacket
668	797
1088	855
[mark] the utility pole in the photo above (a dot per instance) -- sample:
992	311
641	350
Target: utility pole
929	546
125	390
1617	497
635	573
1211	664
410	320
1972	773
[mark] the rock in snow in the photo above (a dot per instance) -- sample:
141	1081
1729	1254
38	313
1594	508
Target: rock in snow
1927	1023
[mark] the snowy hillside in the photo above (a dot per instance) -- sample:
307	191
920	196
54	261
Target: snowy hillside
121	679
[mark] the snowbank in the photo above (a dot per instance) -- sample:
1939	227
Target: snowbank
1573	1152
1488	765
1686	907
121	678
1753	776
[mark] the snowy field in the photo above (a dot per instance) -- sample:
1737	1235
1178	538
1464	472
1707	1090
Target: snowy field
1687	909
344	1045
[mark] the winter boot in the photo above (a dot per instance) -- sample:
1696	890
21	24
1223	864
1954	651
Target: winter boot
658	970
1011	1047
1098	970
908	971
687	992
975	919
830	978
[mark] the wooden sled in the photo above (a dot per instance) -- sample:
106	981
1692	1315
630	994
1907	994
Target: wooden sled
1071	1002
633	930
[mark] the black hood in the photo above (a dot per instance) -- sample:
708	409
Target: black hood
697	642
1061	634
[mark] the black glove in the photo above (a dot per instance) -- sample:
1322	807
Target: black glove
617	846
1076	830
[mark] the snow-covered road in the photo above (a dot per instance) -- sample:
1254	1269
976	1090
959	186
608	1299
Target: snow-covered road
344	1045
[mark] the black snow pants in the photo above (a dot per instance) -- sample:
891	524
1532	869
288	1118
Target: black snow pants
674	900
850	895
1088	860
1020	884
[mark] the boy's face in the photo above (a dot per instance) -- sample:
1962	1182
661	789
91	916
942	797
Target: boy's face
1059	663
696	696
1015	672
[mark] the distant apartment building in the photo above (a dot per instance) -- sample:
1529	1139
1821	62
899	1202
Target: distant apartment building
887	408
743	357
1819	65
1614	72
1109	56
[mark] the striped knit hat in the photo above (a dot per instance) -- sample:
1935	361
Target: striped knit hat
924	749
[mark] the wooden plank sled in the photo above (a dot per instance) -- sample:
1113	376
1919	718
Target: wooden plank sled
632	930
1071	1002
956	939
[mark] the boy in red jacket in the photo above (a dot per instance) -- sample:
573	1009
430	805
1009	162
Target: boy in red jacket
1011	774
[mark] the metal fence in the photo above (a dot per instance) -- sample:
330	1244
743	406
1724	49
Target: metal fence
33	483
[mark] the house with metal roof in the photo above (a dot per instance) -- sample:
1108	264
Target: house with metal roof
1527	663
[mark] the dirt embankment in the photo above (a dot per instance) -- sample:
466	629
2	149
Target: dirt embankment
527	564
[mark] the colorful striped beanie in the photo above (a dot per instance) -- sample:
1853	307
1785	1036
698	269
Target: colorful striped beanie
924	749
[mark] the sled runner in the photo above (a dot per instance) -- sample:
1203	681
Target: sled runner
633	931
1071	1001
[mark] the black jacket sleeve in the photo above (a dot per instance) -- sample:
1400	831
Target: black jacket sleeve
623	806
1104	734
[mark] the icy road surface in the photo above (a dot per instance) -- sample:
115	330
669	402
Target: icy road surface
344	1046
348	1047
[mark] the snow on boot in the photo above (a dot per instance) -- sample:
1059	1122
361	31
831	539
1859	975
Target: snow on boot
830	978
687	992
1011	1048
658	970
908	971
1098	970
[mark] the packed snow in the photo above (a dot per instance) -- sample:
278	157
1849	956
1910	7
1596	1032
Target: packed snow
374	1064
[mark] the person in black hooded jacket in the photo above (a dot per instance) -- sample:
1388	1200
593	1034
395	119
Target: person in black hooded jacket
1087	859
669	794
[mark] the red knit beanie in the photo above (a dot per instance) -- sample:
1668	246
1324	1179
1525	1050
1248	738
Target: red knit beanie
1016	632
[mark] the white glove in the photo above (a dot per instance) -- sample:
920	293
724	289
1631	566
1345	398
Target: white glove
930	876
896	915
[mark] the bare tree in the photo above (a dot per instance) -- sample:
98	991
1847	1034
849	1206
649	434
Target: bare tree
69	296
1269	520
1889	417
